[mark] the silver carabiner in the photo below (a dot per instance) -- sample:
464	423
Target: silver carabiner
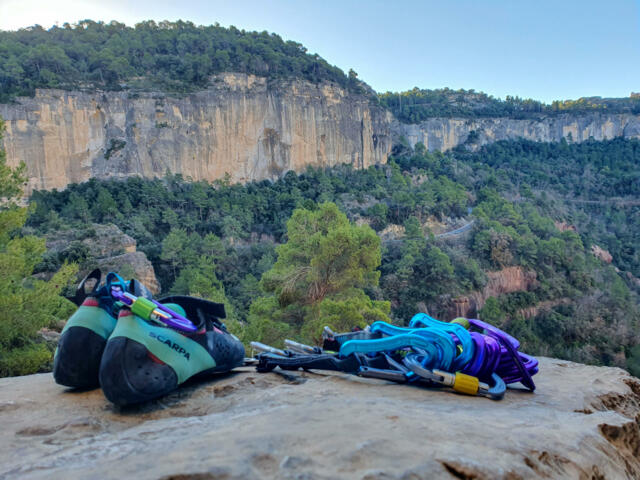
382	374
261	347
460	382
301	347
497	391
328	333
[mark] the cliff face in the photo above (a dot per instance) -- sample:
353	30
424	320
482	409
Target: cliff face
446	133
240	125
244	126
507	280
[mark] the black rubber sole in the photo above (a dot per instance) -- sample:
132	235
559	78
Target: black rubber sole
77	362
128	375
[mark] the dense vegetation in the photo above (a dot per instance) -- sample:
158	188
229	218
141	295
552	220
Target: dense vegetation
414	106
318	279
594	186
27	304
179	57
171	56
221	240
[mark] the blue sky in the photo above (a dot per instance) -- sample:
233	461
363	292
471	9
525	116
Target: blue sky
541	49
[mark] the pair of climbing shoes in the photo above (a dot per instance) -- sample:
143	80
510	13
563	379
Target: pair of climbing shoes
469	356
137	348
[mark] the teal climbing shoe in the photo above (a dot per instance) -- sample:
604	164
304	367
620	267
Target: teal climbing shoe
76	362
144	359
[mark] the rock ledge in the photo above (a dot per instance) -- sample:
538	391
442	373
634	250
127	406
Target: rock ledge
583	422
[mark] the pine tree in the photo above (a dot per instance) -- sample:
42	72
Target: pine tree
26	304
319	278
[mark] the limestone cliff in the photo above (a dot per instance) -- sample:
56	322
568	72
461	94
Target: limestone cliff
244	126
241	126
446	133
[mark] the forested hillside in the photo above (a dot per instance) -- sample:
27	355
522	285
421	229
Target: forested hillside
179	57
169	56
576	306
594	186
417	105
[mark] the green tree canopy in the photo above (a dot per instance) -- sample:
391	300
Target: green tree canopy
26	304
170	56
319	275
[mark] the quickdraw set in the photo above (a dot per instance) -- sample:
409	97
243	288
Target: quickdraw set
467	355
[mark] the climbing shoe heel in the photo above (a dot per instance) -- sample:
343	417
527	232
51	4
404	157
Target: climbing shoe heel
129	373
227	351
77	359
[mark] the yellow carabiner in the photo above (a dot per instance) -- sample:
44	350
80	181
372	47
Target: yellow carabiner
466	384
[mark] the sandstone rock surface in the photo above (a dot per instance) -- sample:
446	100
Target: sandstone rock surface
507	280
601	254
111	249
132	265
582	422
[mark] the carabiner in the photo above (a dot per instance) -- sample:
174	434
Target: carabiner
261	347
495	392
460	382
302	348
113	280
382	374
151	309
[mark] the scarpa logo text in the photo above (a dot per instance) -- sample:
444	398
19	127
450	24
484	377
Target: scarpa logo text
171	345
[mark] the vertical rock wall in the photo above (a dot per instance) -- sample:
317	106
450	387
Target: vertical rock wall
241	126
246	127
446	133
